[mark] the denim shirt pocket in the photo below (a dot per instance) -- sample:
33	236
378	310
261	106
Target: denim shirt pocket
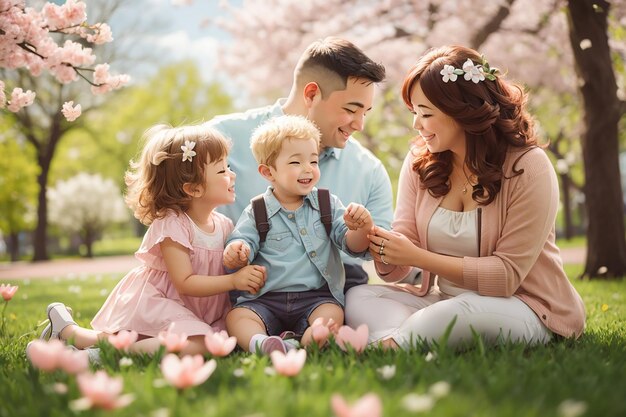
279	241
320	230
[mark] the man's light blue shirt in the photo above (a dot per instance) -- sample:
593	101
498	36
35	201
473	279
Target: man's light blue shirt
353	174
298	253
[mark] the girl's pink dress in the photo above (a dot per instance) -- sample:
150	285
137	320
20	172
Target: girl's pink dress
146	301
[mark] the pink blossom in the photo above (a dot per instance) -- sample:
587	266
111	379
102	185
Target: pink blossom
102	34
23	25
173	342
219	344
102	391
8	291
187	371
51	355
71	13
369	405
20	98
123	339
346	336
70	111
290	363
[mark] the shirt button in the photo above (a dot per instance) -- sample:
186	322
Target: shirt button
290	215
544	317
303	232
313	254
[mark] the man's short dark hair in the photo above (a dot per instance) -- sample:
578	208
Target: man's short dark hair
343	58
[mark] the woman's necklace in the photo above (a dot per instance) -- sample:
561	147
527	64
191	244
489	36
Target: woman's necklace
466	183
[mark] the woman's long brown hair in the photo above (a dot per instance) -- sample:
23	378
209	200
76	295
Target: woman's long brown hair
491	112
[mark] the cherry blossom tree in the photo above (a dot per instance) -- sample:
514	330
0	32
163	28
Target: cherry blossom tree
26	42
528	40
86	204
45	64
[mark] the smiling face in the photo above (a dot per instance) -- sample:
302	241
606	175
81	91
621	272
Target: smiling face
295	171
342	112
219	183
439	131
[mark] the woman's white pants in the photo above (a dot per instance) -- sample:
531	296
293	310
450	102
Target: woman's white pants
390	312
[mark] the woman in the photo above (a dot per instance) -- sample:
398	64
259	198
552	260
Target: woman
477	202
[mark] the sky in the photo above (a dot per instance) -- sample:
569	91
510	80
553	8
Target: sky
176	32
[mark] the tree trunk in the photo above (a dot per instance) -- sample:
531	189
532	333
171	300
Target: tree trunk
568	225
89	236
606	243
14	246
45	154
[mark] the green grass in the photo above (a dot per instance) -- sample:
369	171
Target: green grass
503	381
575	242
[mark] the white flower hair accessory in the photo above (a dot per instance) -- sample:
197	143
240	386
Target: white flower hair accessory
188	152
470	72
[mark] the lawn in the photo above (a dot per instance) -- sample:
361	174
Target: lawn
562	379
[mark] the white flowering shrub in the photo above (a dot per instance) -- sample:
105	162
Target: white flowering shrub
86	204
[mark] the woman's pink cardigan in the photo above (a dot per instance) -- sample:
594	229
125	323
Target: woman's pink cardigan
518	254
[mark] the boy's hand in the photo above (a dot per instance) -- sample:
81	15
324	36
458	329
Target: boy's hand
357	217
249	278
236	255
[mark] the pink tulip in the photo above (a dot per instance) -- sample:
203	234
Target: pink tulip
346	336
290	363
173	342
51	355
123	339
369	405
219	344
45	355
8	291
102	391
187	371
319	331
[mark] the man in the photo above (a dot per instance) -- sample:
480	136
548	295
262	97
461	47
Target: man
334	85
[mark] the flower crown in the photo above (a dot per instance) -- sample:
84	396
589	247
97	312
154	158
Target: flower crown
470	71
188	152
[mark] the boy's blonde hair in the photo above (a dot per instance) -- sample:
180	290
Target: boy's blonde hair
155	182
267	139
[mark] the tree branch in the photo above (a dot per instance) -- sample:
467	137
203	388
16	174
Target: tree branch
492	26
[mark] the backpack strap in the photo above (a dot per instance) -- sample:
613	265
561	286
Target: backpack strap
323	197
260	216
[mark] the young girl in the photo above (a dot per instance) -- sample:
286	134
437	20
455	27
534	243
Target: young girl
181	178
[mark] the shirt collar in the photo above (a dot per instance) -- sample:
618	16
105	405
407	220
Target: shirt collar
277	110
331	152
273	205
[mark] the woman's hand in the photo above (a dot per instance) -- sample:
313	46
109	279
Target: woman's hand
391	248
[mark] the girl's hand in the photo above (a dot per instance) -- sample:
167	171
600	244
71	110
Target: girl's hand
389	247
249	278
357	217
236	255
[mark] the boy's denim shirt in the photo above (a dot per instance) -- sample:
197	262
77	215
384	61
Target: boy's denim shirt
298	254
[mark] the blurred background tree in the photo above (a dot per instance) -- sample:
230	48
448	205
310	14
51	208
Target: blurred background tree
86	204
18	191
